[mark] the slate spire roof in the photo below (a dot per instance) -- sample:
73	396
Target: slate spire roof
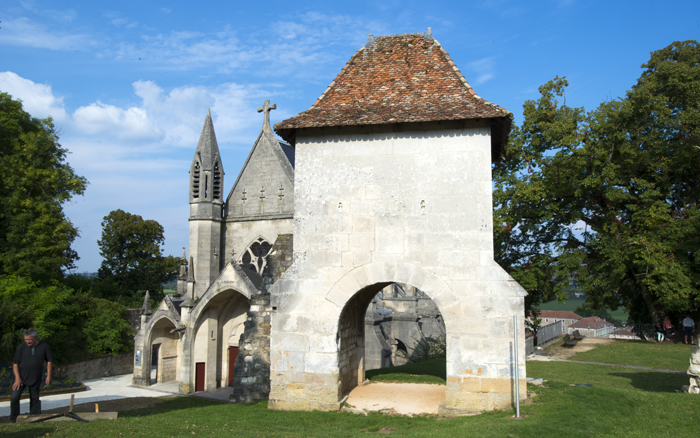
397	79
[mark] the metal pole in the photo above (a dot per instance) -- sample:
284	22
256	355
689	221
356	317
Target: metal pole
517	373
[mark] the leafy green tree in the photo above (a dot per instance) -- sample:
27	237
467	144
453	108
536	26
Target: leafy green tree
132	256
35	234
106	330
608	197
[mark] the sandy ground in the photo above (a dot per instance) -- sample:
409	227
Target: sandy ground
557	351
401	398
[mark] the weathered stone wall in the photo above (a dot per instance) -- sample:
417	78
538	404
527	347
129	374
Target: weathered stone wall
239	235
266	169
395	204
251	381
102	366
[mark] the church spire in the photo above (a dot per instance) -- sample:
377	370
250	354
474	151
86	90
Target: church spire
206	172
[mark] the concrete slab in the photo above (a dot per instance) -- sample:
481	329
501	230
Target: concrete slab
107	388
220	394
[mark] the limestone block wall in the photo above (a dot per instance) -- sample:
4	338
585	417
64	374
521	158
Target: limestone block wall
240	234
407	204
101	366
205	249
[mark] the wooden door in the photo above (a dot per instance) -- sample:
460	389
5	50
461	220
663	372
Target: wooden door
232	354
199	377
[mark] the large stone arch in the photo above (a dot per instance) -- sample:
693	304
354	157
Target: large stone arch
383	272
353	292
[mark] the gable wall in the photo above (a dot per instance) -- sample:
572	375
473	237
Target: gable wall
263	170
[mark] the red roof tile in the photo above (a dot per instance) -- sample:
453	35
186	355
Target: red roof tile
559	314
398	79
592	322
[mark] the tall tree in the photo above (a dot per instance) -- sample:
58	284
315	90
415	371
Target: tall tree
608	198
132	256
35	234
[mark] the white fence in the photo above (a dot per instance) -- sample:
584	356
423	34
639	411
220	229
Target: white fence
550	331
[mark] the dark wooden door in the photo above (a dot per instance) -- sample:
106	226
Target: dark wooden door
199	377
232	354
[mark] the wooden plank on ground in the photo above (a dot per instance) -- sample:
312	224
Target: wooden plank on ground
85	415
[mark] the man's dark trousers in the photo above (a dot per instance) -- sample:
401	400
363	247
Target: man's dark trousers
34	402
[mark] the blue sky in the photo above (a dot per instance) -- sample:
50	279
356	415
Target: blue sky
129	83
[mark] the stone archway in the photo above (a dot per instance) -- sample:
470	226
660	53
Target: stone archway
166	341
213	324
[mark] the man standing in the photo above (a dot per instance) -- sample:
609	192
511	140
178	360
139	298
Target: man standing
689	328
28	367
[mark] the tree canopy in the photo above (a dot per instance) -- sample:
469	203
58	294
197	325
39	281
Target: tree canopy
35	234
132	256
608	198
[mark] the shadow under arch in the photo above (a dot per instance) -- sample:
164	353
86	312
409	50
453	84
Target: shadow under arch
212	323
353	294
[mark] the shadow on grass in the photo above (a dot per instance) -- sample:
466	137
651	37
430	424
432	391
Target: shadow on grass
412	372
654	381
14	431
170	405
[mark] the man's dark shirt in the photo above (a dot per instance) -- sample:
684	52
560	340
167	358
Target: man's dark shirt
30	361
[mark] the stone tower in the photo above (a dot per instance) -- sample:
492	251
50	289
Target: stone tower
206	204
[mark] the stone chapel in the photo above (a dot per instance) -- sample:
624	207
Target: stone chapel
367	226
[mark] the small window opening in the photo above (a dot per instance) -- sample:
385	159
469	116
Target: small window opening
195	180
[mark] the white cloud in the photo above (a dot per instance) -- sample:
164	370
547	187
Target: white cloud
126	124
37	99
25	32
483	69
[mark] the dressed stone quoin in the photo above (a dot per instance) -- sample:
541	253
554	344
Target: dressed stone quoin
364	230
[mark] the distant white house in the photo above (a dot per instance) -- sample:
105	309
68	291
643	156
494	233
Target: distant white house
553	316
592	327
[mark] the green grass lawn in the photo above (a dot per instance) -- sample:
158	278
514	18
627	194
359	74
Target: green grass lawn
429	371
572	304
622	402
640	353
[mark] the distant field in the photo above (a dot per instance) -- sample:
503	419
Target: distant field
572	304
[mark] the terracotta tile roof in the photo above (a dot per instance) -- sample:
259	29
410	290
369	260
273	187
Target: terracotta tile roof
398	79
592	322
559	314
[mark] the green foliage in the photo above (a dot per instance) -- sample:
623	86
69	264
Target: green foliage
35	234
627	174
427	348
106	330
132	256
75	325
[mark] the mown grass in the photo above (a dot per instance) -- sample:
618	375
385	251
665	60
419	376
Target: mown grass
429	371
640	353
572	304
622	402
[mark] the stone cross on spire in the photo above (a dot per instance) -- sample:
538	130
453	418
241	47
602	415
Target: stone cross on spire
267	108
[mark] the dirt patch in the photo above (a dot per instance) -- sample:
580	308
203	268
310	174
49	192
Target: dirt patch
558	351
400	398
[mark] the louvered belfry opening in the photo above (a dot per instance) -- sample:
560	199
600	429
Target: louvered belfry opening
216	189
195	180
